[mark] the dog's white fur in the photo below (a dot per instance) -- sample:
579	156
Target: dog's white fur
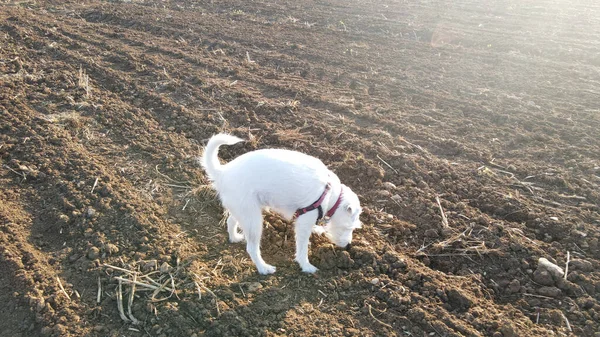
283	181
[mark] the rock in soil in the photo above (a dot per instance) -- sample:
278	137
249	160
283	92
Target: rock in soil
552	268
93	253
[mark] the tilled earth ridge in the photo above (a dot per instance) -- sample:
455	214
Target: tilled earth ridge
469	130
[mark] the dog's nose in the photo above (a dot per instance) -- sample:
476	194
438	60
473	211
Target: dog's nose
348	246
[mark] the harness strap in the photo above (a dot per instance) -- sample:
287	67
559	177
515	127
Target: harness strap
317	205
336	205
314	205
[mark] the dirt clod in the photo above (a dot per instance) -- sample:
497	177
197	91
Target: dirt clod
582	265
543	277
93	253
549	291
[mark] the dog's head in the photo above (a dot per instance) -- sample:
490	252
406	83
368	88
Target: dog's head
345	219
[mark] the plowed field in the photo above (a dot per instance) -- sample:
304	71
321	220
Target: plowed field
469	129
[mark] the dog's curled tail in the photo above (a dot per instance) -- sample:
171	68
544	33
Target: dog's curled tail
210	160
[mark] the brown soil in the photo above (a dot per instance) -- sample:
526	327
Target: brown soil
493	107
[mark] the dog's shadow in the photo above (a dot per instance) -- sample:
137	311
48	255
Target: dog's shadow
266	304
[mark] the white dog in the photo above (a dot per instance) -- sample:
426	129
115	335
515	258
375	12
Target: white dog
288	183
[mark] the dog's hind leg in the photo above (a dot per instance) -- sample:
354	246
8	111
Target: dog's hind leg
304	227
250	220
232	228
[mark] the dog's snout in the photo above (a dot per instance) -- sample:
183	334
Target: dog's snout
348	246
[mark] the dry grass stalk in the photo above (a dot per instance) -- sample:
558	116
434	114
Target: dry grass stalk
205	192
22	174
566	322
130	302
386	164
161	288
120	302
178	186
538	296
95	184
62	288
377	320
169	178
444	218
199	290
99	296
291	135
118	268
216	299
567	264
456	238
157	282
142	284
84	81
248	57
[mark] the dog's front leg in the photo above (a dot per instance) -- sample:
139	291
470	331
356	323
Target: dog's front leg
304	227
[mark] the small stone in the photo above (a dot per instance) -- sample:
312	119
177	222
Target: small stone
514	286
508	330
63	218
150	265
549	291
253	286
396	198
389	185
74	257
375	281
552	268
90	212
93	253
164	268
384	193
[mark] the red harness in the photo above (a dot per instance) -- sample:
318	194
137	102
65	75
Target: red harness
317	205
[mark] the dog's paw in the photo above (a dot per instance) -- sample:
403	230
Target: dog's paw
319	230
266	269
309	269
